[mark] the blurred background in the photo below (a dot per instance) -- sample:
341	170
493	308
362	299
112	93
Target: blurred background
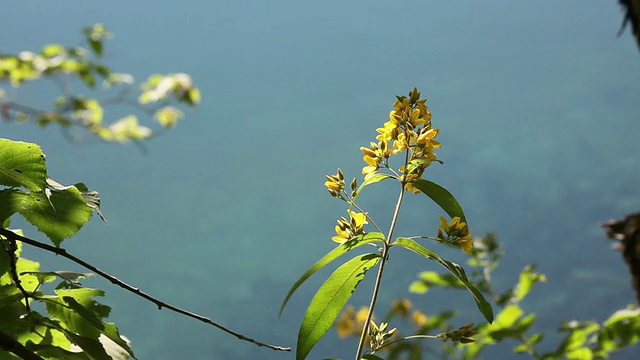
537	106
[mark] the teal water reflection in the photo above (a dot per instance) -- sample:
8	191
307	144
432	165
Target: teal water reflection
537	106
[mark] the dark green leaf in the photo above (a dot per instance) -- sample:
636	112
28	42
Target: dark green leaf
330	299
332	255
440	196
372	357
455	269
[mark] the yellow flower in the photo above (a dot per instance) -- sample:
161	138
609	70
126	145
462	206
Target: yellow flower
419	318
374	156
330	184
388	131
346	324
455	233
361	316
401	307
466	243
348	229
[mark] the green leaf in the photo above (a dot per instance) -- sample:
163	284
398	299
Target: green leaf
527	279
92	198
70	276
193	96
440	196
330	256
621	329
52	50
330	299
8	205
427	279
373	179
59	216
22	165
576	344
79	313
455	269
371	357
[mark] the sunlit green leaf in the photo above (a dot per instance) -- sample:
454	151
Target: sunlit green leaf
576	344
371	180
52	50
427	279
78	312
455	269
194	96
527	279
92	198
329	300
332	255
440	196
621	329
59	216
49	276
22	165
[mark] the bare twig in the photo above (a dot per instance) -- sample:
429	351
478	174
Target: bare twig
161	304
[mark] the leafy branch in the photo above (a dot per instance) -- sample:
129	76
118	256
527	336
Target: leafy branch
114	280
64	64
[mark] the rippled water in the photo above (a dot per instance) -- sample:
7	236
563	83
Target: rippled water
537	104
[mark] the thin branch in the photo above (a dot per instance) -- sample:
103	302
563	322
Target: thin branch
62	252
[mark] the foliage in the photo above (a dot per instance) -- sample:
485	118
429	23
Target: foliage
580	339
409	135
68	322
74	326
62	65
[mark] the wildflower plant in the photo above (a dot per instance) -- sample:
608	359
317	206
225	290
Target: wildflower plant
408	135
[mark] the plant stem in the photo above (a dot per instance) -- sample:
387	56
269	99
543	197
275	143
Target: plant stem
376	287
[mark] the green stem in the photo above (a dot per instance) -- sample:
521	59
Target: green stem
383	260
407	338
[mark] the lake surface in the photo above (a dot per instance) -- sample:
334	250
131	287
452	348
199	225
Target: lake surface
537	106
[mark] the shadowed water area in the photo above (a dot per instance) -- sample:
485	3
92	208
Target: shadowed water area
537	106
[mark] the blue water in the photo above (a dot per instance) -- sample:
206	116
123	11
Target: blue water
537	104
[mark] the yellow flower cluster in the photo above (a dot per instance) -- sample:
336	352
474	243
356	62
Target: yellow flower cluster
351	323
335	185
455	233
408	129
348	229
